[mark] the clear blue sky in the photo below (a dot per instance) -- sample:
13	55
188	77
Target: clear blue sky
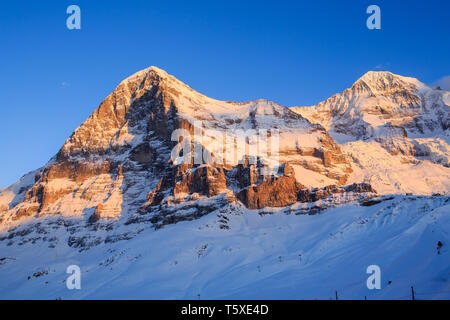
292	52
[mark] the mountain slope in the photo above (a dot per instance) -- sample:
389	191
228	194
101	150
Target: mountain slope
395	129
280	255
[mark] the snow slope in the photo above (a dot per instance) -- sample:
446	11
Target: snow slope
275	255
393	174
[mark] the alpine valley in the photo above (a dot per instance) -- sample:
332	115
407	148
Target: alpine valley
362	179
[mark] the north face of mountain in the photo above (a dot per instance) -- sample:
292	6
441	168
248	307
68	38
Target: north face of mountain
119	162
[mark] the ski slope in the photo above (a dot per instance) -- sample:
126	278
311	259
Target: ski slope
249	254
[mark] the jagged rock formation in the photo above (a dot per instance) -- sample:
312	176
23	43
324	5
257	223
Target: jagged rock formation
121	160
315	194
272	191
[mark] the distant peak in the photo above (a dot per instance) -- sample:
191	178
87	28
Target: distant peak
145	72
389	79
157	70
377	75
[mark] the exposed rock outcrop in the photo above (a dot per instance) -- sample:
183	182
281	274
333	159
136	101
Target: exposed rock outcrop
272	192
315	194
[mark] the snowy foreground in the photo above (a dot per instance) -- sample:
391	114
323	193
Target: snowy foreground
235	253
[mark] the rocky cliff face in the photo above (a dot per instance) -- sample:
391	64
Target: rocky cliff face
121	160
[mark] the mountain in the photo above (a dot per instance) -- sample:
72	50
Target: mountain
395	128
119	161
383	101
166	193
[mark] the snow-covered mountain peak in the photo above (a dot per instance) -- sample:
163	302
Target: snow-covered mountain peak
385	82
379	99
136	80
373	76
386	76
153	93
